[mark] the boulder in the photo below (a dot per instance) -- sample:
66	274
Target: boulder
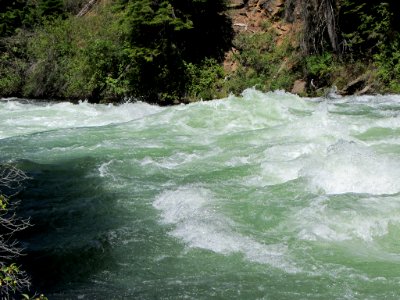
299	87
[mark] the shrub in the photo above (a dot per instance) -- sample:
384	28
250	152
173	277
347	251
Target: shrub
204	80
263	62
388	63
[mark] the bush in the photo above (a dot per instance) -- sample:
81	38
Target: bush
165	42
77	58
388	63
11	74
145	49
204	81
321	69
263	62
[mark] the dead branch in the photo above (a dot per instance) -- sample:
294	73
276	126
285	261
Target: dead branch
12	279
86	8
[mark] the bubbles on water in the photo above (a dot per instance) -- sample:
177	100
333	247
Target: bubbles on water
305	175
24	118
337	219
198	223
104	169
352	168
174	161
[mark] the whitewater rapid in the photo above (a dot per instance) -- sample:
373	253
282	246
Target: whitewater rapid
266	195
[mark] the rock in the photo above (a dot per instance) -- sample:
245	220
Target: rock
332	93
299	87
357	86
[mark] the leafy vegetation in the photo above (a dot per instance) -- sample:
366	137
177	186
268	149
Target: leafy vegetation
263	61
204	80
164	38
147	49
171	51
368	45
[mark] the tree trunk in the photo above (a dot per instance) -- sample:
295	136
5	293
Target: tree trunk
320	26
330	14
86	8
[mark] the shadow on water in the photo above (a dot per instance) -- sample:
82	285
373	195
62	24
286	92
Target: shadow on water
72	216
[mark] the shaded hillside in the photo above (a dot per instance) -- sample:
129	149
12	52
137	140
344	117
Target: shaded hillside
168	51
316	44
150	50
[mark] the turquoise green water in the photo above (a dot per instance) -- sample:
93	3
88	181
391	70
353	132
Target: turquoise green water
264	196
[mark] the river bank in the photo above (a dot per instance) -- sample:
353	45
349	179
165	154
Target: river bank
168	54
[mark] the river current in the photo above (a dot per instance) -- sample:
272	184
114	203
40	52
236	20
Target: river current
263	196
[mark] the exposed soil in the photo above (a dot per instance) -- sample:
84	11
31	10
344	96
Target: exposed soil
253	16
248	16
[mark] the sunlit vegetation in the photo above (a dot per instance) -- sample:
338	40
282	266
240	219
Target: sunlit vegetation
149	50
170	51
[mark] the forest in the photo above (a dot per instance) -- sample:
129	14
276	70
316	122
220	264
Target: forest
169	51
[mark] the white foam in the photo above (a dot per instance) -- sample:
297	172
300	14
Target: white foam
353	168
25	118
200	226
178	160
363	219
290	151
104	168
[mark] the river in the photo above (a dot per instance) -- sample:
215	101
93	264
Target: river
263	196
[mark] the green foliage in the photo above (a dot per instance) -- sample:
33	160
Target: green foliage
11	74
73	6
25	14
262	62
3	203
13	280
158	67
367	24
49	49
17	17
77	58
127	48
388	62
35	297
9	277
164	37
167	51
13	14
372	32
13	63
51	8
320	66
204	81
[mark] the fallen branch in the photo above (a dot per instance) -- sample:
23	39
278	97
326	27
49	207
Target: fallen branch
241	25
239	5
86	8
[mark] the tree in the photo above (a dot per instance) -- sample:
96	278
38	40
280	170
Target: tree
366	25
12	278
163	36
12	15
48	8
320	26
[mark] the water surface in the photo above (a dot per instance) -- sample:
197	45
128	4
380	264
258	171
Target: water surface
264	196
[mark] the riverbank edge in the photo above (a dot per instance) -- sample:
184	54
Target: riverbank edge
282	67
